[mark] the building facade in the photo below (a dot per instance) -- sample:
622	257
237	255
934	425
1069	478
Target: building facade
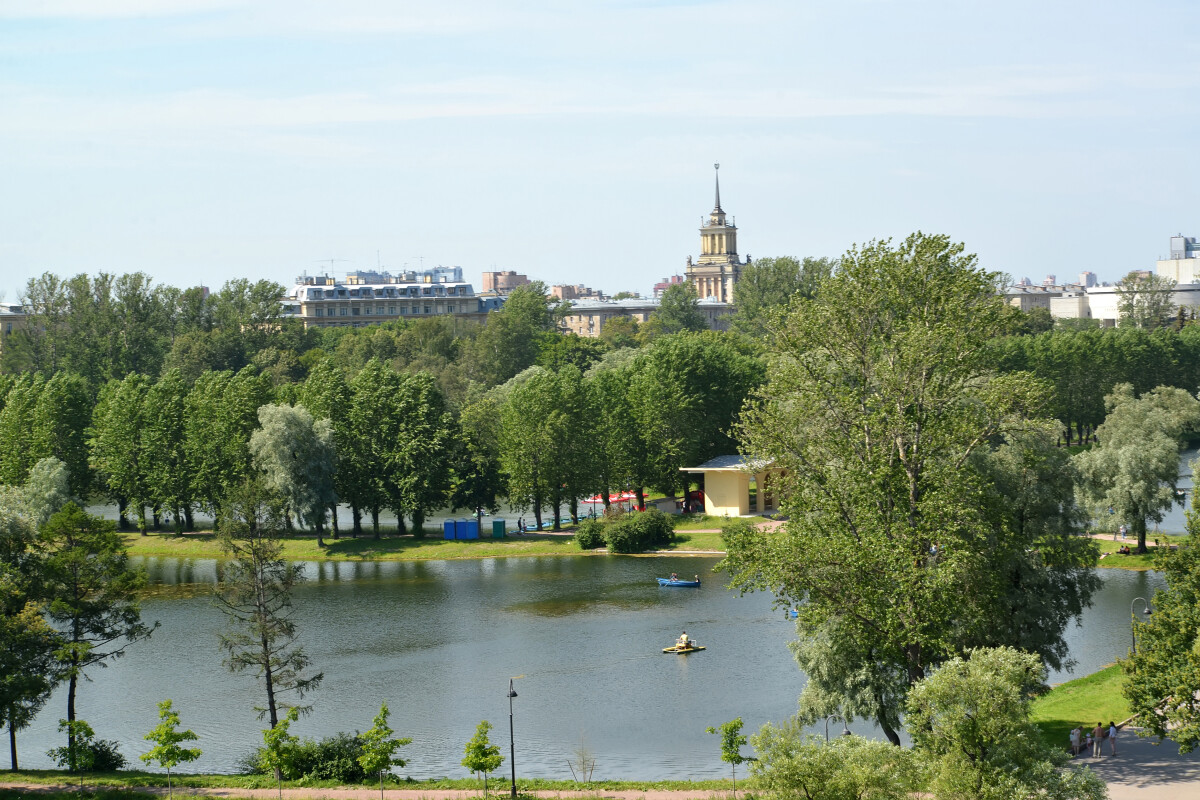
370	297
717	269
587	317
502	282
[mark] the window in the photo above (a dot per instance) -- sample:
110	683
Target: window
427	311
320	312
403	309
342	311
355	311
392	310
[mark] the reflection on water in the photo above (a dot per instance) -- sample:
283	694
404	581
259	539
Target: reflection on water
438	641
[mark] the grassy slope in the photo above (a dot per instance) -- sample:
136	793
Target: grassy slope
392	548
1087	700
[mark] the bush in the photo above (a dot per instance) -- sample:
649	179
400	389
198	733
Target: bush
590	534
334	758
105	756
640	531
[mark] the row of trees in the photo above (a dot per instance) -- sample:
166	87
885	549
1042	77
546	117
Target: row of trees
382	439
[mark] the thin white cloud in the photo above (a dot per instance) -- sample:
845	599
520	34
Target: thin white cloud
109	9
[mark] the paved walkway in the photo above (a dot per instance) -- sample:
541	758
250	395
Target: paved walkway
1143	770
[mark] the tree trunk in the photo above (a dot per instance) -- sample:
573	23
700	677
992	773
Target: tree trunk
1139	525
122	518
337	534
418	518
71	684
320	532
892	736
401	525
375	522
640	494
356	515
189	521
12	740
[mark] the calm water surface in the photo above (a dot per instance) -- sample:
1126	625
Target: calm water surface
438	642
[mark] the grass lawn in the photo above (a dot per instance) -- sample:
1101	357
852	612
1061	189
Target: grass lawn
1132	562
117	783
1087	700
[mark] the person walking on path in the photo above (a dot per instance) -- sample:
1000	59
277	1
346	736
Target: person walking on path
1098	740
1112	738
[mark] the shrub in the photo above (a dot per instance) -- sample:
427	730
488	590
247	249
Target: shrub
334	758
590	534
105	756
640	531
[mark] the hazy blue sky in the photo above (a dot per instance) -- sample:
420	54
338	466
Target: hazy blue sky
201	140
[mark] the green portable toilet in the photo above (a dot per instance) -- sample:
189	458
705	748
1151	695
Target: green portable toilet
497	529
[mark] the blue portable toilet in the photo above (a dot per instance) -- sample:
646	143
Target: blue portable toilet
467	529
448	529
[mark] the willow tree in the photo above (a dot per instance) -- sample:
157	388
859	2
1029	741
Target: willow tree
879	408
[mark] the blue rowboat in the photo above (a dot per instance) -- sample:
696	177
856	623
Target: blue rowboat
677	582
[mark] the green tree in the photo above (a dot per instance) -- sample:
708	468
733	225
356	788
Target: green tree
326	395
686	391
295	457
280	746
1135	467
255	594
477	478
677	311
620	331
512	337
792	764
118	448
379	748
17	454
1145	301
165	465
768	284
732	742
168	740
95	594
880	397
970	723
60	422
480	755
1162	678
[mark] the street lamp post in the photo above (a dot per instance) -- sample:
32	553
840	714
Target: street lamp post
512	748
845	726
1133	619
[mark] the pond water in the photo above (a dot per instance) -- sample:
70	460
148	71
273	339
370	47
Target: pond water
438	641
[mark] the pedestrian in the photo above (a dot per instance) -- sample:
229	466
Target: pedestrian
1123	530
1112	738
1076	740
1097	739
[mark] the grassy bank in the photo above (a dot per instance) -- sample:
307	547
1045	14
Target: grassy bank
1111	559
303	547
119	784
1087	700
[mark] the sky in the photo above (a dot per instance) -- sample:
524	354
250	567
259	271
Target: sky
574	140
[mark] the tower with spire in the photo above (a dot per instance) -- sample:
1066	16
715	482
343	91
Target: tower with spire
717	269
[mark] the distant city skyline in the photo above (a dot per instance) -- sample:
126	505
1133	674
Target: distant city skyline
203	140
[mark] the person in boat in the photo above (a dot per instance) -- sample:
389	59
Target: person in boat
674	577
684	642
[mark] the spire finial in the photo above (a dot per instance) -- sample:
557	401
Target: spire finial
716	168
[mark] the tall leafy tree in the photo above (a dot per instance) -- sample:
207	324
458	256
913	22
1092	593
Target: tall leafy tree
165	463
529	424
677	311
61	419
326	395
970	722
1145	301
17	454
1135	467
419	461
27	643
768	285
294	455
95	595
513	337
1162	678
477	479
880	398
255	593
480	755
118	447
